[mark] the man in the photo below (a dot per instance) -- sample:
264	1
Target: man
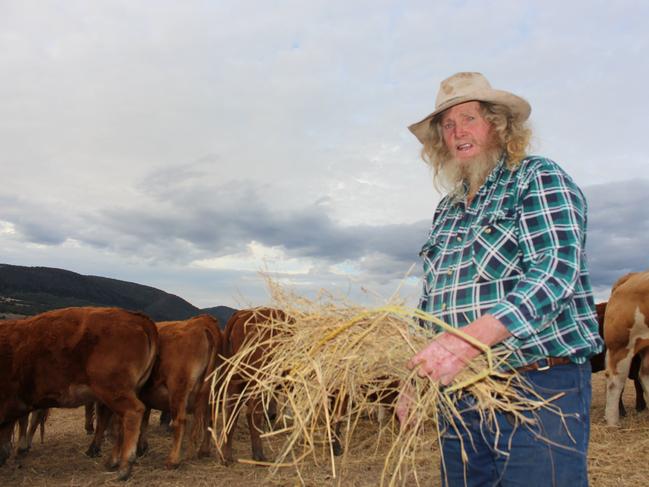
505	262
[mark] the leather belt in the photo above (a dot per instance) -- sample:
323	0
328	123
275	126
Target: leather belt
544	364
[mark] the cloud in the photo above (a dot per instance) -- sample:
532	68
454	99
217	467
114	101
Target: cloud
222	220
139	139
182	217
618	229
34	223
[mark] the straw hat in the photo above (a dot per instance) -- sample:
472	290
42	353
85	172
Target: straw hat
463	87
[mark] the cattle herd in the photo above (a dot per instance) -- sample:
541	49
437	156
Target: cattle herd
120	365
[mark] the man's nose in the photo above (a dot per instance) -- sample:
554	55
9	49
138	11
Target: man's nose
459	130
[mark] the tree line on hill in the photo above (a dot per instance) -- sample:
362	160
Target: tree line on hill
26	291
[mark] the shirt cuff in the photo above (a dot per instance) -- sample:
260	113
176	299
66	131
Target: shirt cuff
515	320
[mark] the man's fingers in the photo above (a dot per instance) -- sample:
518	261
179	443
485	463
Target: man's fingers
424	369
413	362
404	404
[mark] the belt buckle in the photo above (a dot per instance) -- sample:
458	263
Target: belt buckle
545	366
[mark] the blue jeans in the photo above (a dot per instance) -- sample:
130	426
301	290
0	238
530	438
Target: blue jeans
552	452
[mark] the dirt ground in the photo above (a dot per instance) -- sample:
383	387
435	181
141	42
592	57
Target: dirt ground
617	457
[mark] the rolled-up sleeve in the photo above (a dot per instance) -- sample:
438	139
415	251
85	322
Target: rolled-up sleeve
552	223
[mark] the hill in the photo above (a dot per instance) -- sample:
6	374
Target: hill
32	290
221	313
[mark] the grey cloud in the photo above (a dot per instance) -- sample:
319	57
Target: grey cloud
618	229
187	221
225	219
36	223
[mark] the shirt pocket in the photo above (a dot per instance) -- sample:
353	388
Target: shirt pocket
495	250
431	255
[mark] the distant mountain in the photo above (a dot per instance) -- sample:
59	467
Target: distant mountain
32	290
221	313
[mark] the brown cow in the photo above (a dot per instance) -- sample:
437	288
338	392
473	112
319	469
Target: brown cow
189	352
69	357
241	327
626	333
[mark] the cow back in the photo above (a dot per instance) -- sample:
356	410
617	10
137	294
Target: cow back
189	351
246	323
627	307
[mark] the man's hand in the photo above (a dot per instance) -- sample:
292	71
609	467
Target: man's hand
443	358
404	403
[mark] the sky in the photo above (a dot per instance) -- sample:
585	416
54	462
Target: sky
197	146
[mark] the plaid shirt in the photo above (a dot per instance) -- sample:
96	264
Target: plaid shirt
517	253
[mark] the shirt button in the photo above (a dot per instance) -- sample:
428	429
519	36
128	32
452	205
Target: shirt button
443	306
450	272
487	230
459	238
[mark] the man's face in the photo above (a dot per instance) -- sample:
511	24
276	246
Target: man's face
467	134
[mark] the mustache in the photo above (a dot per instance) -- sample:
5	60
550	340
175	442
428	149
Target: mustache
471	172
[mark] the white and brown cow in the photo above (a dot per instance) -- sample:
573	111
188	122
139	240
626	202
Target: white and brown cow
626	333
598	363
69	357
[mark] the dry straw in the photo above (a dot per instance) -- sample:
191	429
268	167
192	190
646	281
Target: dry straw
333	364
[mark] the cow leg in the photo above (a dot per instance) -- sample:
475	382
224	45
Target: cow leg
617	371
255	417
271	410
89	410
202	419
231	410
23	443
336	446
37	418
27	426
227	456
128	411
117	423
179	418
6	430
143	442
38	422
131	411
339	406
621	404
640	401
642	382
103	419
165	420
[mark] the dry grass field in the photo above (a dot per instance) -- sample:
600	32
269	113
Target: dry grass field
617	458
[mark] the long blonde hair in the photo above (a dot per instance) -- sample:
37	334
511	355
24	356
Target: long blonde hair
512	136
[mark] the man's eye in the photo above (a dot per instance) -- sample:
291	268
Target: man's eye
470	118
447	126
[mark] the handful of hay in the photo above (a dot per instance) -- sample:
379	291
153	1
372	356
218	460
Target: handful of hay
332	365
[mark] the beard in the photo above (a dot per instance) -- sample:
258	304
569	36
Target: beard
464	177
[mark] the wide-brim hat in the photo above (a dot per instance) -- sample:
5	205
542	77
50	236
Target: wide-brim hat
463	87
